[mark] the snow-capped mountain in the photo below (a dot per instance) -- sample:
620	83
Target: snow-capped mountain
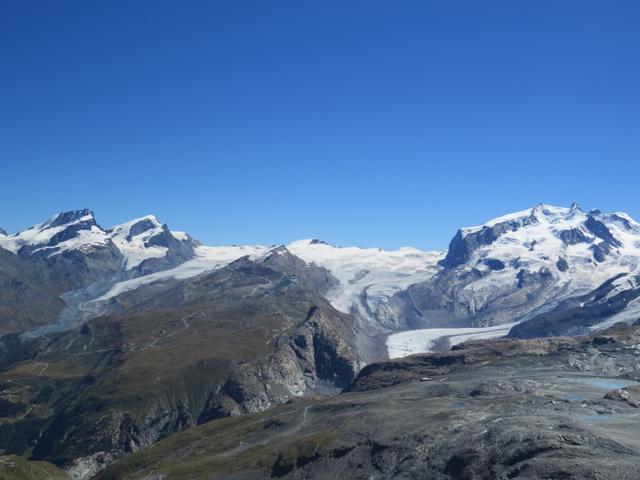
76	230
140	241
149	246
520	265
580	250
510	269
566	241
74	258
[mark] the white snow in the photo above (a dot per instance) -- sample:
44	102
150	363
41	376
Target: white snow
538	245
207	258
378	273
134	248
182	236
42	233
521	215
425	340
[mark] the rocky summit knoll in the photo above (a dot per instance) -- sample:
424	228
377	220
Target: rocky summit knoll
115	339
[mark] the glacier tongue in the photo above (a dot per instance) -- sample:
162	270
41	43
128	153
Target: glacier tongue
426	340
206	259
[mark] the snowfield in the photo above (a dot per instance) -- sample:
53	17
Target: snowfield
207	258
371	272
134	246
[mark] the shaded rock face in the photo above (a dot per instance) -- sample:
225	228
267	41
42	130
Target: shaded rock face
600	230
323	343
562	265
70	217
71	232
464	244
177	252
494	264
142	226
600	251
574	236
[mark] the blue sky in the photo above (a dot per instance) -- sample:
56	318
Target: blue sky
381	123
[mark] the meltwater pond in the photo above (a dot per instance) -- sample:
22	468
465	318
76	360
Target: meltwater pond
604	383
578	388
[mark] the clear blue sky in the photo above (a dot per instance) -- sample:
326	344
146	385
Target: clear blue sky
381	123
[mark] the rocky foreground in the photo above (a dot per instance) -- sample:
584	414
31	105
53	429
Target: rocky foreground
557	408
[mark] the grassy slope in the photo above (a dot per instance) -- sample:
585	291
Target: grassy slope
13	467
218	448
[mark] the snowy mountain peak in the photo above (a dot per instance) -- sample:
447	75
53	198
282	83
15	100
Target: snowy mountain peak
309	241
146	238
553	214
134	242
583	249
315	241
136	227
66	218
61	232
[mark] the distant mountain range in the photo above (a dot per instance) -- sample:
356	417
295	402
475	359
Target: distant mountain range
115	338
